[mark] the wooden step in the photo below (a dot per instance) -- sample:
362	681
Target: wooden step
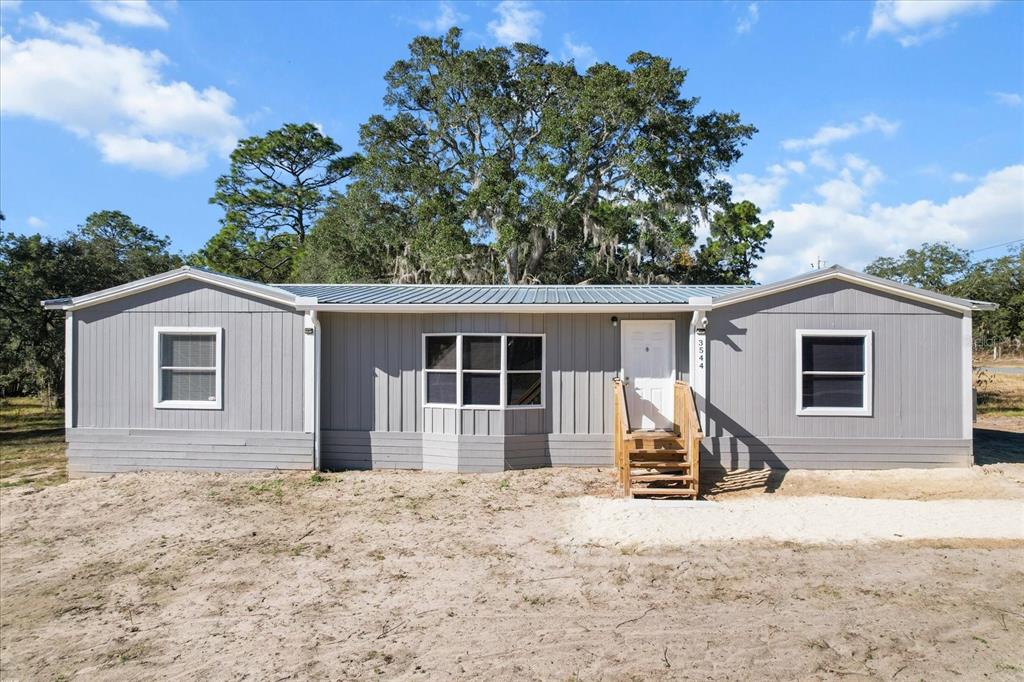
644	478
653	435
678	453
665	492
659	464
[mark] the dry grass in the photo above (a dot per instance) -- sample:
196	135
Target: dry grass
1000	394
31	444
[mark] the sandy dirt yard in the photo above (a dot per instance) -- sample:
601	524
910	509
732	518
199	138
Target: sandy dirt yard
427	575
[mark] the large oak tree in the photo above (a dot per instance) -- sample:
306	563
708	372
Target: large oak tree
501	165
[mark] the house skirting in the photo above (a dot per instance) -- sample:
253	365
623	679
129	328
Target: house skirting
441	452
95	452
835	453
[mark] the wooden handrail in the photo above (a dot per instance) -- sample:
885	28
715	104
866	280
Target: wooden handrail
686	422
688	426
622	432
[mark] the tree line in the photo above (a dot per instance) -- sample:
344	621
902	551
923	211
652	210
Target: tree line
498	165
489	165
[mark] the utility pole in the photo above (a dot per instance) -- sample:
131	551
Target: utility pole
818	265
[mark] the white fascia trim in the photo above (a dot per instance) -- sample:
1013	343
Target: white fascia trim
503	308
139	286
769	289
967	374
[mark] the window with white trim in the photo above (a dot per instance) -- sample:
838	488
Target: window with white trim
483	370
187	372
834	372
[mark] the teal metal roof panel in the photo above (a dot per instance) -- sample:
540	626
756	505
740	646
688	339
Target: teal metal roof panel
524	294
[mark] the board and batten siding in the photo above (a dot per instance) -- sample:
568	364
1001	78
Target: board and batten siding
372	413
917	406
115	424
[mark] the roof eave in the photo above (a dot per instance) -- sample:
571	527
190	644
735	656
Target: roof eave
263	291
854	277
56	303
504	307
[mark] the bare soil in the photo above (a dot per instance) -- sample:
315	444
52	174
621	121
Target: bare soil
414	574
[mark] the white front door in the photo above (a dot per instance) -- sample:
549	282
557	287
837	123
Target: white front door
649	367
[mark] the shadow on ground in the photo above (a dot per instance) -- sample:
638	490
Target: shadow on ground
720	481
996	446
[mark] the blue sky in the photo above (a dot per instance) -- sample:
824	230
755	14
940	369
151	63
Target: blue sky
882	125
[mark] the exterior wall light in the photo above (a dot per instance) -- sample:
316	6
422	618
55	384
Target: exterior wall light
615	321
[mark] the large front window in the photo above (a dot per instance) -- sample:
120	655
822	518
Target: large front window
833	372
483	370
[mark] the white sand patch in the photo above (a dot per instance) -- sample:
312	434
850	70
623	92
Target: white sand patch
820	519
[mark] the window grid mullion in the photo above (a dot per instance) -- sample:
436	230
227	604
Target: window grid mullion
458	370
503	380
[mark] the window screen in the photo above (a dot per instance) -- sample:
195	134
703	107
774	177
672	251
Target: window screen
833	372
188	367
441	369
525	356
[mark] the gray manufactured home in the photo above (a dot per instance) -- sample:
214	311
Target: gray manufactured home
196	370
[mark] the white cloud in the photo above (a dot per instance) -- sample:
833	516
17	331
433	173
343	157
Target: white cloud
115	96
960	177
138	13
797	167
1010	99
913	22
581	53
853	234
746	22
831	134
143	154
10	5
518	22
822	159
447	16
763	190
36	223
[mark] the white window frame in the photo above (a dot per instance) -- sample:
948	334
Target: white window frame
503	372
866	409
218	403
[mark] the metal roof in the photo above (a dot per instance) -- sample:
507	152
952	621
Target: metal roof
522	294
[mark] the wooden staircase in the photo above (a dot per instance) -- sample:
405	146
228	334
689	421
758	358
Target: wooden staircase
658	463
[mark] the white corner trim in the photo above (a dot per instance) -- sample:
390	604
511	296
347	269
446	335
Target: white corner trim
316	398
866	409
69	369
216	404
698	365
309	371
967	374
